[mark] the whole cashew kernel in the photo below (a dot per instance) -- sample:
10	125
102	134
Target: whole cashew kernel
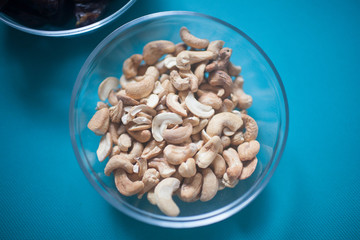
160	123
235	165
248	150
178	135
210	99
187	169
221	120
197	108
191	40
163	196
155	49
150	179
251	128
185	59
153	149
244	100
248	169
143	88
208	152
178	154
125	186
108	84
222	79
219	166
210	185
191	188
172	101
131	65
215	47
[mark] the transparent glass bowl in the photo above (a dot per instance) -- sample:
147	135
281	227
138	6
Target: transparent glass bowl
113	11
262	81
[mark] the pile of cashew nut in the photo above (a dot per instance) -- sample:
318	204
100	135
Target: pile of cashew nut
178	125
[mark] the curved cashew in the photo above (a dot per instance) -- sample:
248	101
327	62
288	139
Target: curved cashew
105	147
115	112
237	138
219	166
178	135
143	88
177	154
185	59
124	141
170	62
187	169
199	71
160	123
163	196
251	128
210	99
99	123
227	106
193	120
204	136
207	87
233	70
222	79
131	65
248	169
108	84
172	101
191	40
125	186
141	108
141	136
215	47
155	49
124	160
222	120
113	100
222	62
227	132
150	179
244	100
210	185
151	197
197	108
164	168
179	47
153	149
208	152
248	150
141	120
191	188
235	165
200	127
121	95
227	182
179	83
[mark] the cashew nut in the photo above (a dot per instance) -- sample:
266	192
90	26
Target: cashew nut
227	106
200	127
108	84
131	65
164	168
187	169
178	135
235	166
197	108
105	147
221	120
151	197
208	152
191	188
251	128
248	168
153	149
127	100
248	150
219	166
244	100
99	123
237	138
177	154
150	179
193	79
172	101
191	40
125	186
140	136
225	141
178	82
143	88
160	123
233	70
215	47
124	142
210	185
210	99
116	112
222	79
163	196
179	47
155	49
222	62
140	166
113	100
199	71
185	59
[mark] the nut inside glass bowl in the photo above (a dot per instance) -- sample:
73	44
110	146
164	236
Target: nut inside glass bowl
269	109
112	11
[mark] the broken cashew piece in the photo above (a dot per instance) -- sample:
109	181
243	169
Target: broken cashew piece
105	147
178	154
197	108
100	122
150	179
160	123
191	40
164	168
108	84
153	149
131	65
163	196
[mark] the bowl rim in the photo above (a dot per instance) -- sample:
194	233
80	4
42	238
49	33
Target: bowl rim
70	32
203	219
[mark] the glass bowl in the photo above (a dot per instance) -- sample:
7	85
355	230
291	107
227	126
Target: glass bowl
113	11
262	81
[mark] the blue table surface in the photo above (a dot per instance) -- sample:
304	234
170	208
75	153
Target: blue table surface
315	191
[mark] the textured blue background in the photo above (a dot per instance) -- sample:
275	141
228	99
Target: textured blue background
314	193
